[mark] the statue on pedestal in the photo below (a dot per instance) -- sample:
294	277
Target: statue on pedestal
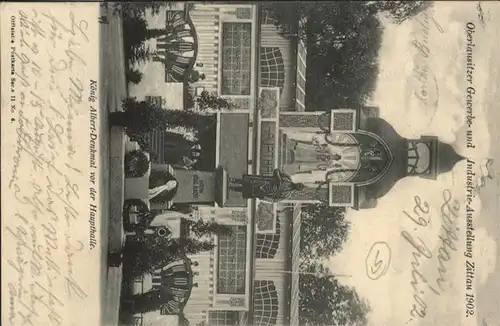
273	188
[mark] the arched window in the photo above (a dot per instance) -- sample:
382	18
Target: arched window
419	156
265	303
178	47
272	68
267	244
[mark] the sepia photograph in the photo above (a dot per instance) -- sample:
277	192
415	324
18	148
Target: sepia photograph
243	136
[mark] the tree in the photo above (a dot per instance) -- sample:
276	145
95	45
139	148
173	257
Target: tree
343	43
139	54
142	140
144	254
135	30
343	39
189	120
287	15
133	8
133	76
192	246
151	300
136	33
140	117
210	100
136	164
324	230
200	228
398	11
324	301
114	259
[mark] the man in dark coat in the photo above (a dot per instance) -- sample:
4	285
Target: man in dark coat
273	188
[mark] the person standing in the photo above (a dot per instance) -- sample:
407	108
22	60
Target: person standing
195	76
275	188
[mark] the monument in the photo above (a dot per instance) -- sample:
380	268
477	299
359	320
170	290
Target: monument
164	186
197	187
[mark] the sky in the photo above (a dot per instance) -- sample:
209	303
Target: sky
441	33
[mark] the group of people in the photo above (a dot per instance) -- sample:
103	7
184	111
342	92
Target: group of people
180	152
195	75
175	272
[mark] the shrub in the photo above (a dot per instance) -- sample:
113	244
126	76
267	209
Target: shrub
145	256
200	228
136	33
142	210
208	100
133	76
140	117
136	164
142	140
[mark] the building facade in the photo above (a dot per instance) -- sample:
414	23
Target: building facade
346	157
243	58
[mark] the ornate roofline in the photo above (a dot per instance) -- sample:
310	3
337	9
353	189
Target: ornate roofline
187	19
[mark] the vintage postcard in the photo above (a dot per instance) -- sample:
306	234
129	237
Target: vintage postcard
250	163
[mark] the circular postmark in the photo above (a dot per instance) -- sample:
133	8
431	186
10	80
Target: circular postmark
378	260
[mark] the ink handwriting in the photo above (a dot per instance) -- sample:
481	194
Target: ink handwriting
378	260
421	217
45	172
424	86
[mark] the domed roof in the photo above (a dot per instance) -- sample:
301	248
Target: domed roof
179	46
447	158
177	283
386	131
398	148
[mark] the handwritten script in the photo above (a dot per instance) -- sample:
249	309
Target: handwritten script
424	86
378	260
44	176
421	215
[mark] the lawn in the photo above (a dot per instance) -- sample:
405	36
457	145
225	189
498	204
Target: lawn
113	89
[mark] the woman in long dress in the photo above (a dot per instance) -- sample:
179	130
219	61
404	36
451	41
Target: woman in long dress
168	187
162	187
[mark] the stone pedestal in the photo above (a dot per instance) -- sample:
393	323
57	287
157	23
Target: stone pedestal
137	188
201	187
195	187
